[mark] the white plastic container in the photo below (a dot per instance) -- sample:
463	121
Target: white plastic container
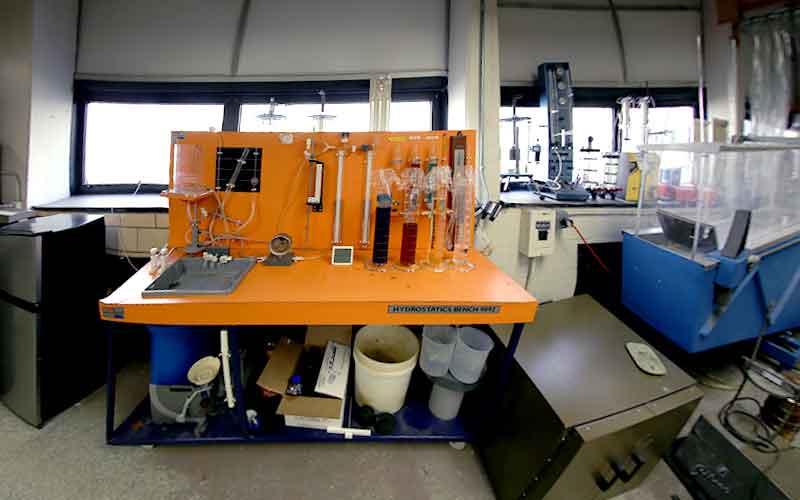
469	357
438	343
445	403
385	356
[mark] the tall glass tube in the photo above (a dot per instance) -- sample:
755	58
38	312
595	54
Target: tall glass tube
383	217
367	209
463	196
412	181
438	185
337	207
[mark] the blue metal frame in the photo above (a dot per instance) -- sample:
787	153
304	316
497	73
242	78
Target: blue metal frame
413	422
699	306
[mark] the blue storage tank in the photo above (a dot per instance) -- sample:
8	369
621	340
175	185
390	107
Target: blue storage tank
174	349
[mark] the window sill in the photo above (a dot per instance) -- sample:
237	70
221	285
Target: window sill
108	203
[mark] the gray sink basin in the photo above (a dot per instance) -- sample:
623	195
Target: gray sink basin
194	276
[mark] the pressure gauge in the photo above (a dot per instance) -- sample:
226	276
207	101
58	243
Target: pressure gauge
280	244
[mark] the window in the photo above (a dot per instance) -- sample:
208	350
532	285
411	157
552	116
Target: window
129	143
408	116
596	122
531	132
122	132
350	117
667	125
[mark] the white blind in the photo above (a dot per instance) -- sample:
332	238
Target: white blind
585	39
157	37
195	38
659	46
358	36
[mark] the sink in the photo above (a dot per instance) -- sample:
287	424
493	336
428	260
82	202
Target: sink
194	276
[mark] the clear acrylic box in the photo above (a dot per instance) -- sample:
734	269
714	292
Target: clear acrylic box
690	193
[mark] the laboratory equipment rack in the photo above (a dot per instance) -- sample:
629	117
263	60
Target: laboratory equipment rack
315	293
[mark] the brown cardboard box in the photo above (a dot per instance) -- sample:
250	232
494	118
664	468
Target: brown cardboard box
304	411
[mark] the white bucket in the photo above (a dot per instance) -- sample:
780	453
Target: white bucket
385	356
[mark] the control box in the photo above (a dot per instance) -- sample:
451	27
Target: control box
537	232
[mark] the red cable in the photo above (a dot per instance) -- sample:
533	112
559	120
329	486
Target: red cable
596	257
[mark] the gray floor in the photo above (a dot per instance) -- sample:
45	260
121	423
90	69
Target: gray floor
68	459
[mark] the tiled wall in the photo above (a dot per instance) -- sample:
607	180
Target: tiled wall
134	234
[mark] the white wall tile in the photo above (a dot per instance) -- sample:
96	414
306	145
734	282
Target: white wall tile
151	238
112	238
138	220
162	220
113	220
128	239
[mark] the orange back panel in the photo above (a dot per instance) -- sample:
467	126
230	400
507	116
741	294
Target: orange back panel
280	205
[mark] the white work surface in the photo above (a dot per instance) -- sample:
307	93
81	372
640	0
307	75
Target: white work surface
554	276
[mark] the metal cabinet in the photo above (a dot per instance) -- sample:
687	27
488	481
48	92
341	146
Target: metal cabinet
580	420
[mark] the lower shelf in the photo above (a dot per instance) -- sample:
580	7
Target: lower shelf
414	422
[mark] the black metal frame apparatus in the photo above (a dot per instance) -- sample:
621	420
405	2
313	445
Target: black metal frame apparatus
232	95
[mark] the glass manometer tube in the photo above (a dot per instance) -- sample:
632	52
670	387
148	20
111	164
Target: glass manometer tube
365	216
438	184
383	219
412	181
462	206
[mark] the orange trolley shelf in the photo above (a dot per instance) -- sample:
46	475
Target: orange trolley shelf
313	292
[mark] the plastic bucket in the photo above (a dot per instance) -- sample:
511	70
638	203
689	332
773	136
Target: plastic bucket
384	356
445	403
438	343
469	357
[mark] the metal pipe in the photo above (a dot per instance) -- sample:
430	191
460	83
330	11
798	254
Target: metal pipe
226	368
701	94
337	213
365	216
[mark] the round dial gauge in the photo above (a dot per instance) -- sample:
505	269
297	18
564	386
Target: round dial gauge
280	244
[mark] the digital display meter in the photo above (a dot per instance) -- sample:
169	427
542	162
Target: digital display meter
342	256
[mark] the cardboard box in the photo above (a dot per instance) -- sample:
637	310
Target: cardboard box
304	411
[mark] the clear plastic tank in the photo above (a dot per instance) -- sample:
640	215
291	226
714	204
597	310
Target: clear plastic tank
691	192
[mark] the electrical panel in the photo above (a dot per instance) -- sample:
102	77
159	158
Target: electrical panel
249	178
537	232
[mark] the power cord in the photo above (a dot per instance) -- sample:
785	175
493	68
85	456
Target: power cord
602	264
762	437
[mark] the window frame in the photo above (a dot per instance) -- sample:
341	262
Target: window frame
231	95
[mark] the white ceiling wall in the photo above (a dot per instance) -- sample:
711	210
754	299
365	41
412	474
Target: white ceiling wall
660	46
154	39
